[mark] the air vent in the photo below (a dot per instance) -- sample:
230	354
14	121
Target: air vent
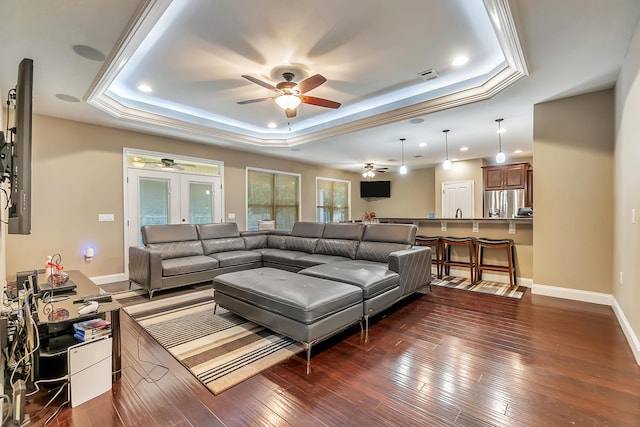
428	75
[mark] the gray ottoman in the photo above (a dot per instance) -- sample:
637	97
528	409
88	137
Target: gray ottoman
304	308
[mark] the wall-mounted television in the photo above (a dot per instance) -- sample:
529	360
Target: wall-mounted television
20	141
375	189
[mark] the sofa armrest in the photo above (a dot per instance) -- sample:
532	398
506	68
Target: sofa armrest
145	267
414	267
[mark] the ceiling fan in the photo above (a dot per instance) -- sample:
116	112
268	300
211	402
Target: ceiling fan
167	164
291	94
370	171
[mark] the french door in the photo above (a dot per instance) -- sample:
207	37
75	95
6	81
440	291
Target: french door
158	197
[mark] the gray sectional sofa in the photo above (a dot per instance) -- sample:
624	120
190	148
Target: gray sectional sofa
308	284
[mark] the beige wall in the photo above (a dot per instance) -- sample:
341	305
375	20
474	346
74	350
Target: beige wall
627	190
573	233
78	173
412	195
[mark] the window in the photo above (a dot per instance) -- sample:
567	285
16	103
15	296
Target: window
332	200
272	196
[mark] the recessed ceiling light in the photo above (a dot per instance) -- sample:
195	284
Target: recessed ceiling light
416	120
67	98
296	149
423	144
88	52
460	60
272	125
464	148
144	88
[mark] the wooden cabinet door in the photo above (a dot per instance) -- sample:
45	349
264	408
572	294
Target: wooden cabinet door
514	176
493	177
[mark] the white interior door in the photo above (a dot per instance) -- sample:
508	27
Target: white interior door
158	197
457	197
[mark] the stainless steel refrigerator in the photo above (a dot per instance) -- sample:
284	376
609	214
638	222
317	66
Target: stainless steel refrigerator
503	203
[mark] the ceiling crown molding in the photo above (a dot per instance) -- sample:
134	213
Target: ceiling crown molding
191	127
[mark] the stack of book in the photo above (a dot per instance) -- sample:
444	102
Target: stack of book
91	329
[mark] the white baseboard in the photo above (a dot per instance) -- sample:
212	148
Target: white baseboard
572	294
109	278
631	336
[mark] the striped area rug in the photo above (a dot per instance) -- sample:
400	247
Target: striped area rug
220	349
484	286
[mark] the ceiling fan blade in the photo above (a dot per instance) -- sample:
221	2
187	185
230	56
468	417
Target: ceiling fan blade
291	112
320	102
311	83
251	101
260	82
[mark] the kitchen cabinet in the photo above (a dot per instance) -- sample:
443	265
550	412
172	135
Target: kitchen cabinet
507	177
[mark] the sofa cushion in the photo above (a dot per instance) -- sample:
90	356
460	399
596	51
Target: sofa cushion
228	259
346	231
276	241
187	264
302	298
217	230
168	233
337	247
257	241
372	277
282	256
307	229
315	259
181	249
390	233
224	244
378	251
301	244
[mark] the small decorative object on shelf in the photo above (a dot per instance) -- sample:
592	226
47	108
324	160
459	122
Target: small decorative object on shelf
369	217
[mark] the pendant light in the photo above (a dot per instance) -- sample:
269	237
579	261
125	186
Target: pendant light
403	168
447	163
500	157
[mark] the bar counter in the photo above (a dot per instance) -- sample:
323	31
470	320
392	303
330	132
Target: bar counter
520	230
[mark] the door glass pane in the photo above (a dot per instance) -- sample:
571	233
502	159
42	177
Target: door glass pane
200	203
154	202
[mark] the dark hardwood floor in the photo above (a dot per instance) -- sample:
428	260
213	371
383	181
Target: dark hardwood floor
441	359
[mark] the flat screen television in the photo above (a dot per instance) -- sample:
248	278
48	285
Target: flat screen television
20	140
375	189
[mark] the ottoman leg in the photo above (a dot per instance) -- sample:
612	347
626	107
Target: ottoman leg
307	347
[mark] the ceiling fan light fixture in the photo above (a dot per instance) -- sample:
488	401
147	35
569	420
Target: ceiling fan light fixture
288	102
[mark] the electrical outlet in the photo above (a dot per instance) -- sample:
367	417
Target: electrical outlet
105	217
475	227
231	215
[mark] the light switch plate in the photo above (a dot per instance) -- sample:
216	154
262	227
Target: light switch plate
231	215
105	217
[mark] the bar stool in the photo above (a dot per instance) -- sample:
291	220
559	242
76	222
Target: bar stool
436	243
447	262
506	244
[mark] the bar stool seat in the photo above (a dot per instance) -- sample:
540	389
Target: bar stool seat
510	268
436	243
448	262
